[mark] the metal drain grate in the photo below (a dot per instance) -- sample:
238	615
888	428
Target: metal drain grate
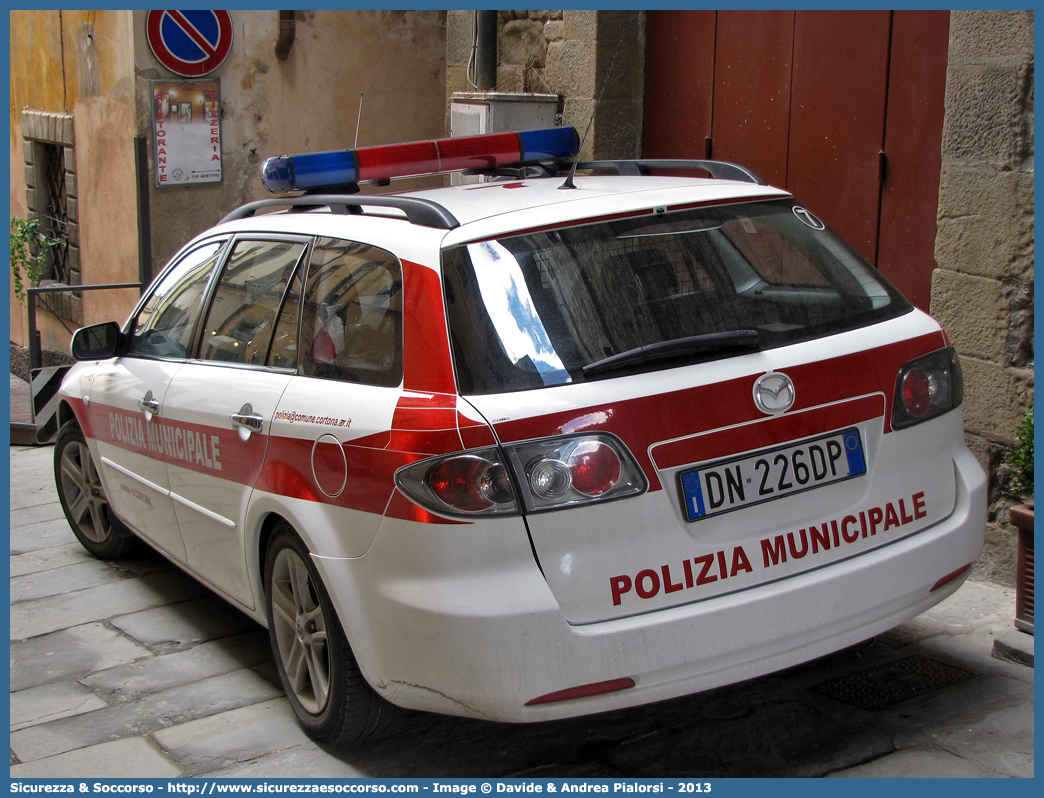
885	685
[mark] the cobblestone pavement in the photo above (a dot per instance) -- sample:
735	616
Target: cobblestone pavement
135	670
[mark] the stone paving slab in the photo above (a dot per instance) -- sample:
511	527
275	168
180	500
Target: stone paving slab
132	758
303	761
188	687
32	476
27	516
39	535
919	764
32	618
70	654
976	651
196	621
44	559
51	702
63	580
1014	646
175	707
156	674
230	738
998	739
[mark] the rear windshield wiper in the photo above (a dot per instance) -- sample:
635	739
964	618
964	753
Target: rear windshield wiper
674	348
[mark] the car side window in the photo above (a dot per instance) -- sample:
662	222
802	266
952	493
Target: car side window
283	352
163	327
352	320
242	314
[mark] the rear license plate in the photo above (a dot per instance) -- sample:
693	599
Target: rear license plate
772	474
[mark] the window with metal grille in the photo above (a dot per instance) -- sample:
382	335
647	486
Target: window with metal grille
55	211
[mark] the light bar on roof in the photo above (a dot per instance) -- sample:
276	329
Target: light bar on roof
337	167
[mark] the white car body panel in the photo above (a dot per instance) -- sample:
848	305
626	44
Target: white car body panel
481	616
211	486
137	483
489	600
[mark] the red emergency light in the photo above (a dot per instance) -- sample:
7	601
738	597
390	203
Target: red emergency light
338	167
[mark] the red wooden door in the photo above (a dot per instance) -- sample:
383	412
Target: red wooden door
913	133
842	108
679	79
752	91
837	114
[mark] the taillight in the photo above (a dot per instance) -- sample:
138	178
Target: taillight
469	483
551	474
927	387
594	467
574	470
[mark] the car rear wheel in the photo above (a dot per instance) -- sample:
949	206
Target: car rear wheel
83	498
316	665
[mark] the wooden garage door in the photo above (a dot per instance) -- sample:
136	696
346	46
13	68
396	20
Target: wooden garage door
842	108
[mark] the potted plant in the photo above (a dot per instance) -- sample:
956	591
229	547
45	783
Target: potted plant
1021	482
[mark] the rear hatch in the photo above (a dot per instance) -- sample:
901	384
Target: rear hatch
740	355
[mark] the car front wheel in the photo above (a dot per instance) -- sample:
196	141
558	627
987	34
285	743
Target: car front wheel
316	665
83	498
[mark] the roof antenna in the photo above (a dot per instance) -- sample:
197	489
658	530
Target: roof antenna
358	122
572	169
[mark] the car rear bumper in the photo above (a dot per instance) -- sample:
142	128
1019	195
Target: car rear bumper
483	636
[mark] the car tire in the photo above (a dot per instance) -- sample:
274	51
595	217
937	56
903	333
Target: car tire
318	670
84	501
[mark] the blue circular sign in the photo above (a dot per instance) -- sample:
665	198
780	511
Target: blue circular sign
190	43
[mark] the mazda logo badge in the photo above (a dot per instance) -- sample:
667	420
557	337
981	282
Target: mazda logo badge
774	393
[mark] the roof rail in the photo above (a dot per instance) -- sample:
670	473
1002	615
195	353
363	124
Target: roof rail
422	212
722	170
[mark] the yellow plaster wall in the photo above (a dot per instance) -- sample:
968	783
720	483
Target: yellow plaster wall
80	63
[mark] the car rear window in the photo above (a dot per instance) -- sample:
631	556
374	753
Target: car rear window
597	300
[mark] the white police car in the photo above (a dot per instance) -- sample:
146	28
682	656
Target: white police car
528	448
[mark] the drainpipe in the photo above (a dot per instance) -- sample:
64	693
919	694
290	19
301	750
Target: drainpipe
486	50
287	33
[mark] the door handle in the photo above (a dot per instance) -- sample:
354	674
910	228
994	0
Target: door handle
248	419
149	404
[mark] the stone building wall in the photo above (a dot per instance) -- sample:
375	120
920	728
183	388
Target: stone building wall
568	53
983	290
309	102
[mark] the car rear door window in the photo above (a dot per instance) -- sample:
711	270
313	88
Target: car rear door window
352	316
243	312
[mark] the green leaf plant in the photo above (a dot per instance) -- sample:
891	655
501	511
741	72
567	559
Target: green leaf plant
1021	460
28	243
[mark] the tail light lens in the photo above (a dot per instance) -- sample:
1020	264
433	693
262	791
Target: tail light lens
549	474
471	484
468	483
927	387
574	470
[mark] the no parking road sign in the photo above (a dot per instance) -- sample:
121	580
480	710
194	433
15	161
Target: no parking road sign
190	43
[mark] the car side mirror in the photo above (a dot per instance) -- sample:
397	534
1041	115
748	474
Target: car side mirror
97	342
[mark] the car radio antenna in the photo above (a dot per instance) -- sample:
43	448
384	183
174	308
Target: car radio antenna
572	169
358	121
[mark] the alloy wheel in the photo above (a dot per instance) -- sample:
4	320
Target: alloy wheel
80	483
300	629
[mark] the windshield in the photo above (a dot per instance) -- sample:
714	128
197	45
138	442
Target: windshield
544	308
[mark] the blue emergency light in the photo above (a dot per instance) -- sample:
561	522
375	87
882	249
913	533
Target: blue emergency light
337	167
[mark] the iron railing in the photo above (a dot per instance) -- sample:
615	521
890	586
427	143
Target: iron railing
34	334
